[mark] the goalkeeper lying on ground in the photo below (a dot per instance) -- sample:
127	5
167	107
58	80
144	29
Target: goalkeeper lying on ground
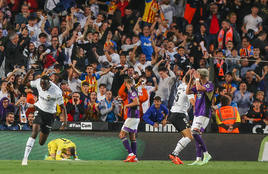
61	149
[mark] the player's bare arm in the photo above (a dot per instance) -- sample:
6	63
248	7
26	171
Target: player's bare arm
189	86
199	87
64	113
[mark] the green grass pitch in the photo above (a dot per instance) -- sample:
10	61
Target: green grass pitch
119	167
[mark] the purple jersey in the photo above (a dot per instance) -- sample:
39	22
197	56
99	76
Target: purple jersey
203	100
133	112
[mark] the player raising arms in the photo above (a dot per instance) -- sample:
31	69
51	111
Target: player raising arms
131	124
178	118
204	92
49	95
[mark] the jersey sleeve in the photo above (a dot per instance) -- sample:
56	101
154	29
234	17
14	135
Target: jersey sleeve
59	153
60	100
35	83
194	89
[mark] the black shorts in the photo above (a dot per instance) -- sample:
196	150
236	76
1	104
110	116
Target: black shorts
179	121
44	119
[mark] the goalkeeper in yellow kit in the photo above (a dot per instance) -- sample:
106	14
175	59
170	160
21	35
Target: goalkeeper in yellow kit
61	149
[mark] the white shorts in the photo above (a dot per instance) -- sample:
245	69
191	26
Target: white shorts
200	122
131	125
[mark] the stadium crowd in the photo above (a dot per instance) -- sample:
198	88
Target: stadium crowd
88	48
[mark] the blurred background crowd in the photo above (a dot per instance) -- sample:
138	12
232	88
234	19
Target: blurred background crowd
88	48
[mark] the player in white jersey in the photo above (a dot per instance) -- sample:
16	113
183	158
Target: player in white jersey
49	95
178	118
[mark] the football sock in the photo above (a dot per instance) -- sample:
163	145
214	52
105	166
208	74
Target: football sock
29	146
200	141
126	145
182	143
134	147
198	150
198	158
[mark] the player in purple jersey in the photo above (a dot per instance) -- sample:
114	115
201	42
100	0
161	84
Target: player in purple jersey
131	124
204	92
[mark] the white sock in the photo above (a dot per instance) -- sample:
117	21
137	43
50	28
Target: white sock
29	146
198	158
182	143
131	154
205	153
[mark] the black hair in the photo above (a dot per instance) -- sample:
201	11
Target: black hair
45	77
162	68
42	35
104	85
157	98
225	100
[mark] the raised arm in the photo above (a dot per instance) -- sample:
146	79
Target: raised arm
137	28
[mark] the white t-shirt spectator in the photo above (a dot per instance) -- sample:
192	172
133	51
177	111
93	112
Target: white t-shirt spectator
252	22
115	59
168	11
95	9
100	97
142	66
75	85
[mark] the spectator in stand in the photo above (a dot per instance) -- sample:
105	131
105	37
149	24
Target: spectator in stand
220	66
162	73
145	38
79	60
75	108
106	79
84	94
228	84
255	113
252	21
4	92
5	108
247	48
9	123
156	114
227	117
213	23
22	18
252	80
21	108
29	124
109	108
227	33
13	52
102	92
260	96
141	64
182	59
92	111
73	80
66	91
243	98
245	66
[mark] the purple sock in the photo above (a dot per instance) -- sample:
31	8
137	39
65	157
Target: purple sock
198	149
126	145
200	141
134	147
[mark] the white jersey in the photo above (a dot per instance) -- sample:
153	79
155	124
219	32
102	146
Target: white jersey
48	100
182	100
